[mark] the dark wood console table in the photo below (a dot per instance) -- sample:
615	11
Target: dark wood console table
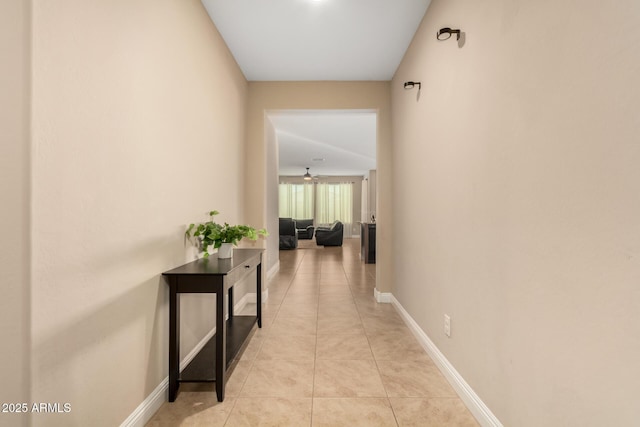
368	242
212	275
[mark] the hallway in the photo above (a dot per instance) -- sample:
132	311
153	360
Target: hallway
327	355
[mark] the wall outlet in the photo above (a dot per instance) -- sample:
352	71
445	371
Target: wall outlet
447	325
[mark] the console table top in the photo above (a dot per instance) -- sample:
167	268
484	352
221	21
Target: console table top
213	265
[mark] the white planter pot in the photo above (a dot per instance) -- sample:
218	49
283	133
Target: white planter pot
225	251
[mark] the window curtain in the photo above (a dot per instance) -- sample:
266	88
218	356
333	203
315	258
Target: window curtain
296	201
334	201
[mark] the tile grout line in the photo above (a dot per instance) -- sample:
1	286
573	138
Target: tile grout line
315	357
375	360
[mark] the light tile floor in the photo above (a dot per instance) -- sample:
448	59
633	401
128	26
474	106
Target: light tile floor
327	355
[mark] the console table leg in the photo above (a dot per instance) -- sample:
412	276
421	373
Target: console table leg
221	345
259	295
174	341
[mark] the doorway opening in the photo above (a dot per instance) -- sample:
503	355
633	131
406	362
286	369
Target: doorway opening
339	149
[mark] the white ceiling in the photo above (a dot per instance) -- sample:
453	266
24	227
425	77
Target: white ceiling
287	40
311	40
345	140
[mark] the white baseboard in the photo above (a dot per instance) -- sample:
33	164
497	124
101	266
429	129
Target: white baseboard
246	299
273	270
143	413
149	406
252	297
480	411
382	297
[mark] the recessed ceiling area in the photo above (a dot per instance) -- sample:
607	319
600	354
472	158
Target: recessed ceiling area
308	40
319	40
328	142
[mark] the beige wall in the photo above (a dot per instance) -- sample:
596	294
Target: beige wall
138	115
271	191
265	96
519	169
372	197
14	214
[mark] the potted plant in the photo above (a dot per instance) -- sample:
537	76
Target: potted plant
221	237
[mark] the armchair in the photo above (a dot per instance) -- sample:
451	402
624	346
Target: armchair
331	236
288	234
305	228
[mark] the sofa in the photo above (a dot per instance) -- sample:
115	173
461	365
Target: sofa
330	236
305	228
288	234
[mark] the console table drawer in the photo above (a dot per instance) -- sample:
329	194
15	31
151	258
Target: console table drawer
243	270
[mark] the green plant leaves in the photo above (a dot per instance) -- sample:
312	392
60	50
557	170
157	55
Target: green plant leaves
213	234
